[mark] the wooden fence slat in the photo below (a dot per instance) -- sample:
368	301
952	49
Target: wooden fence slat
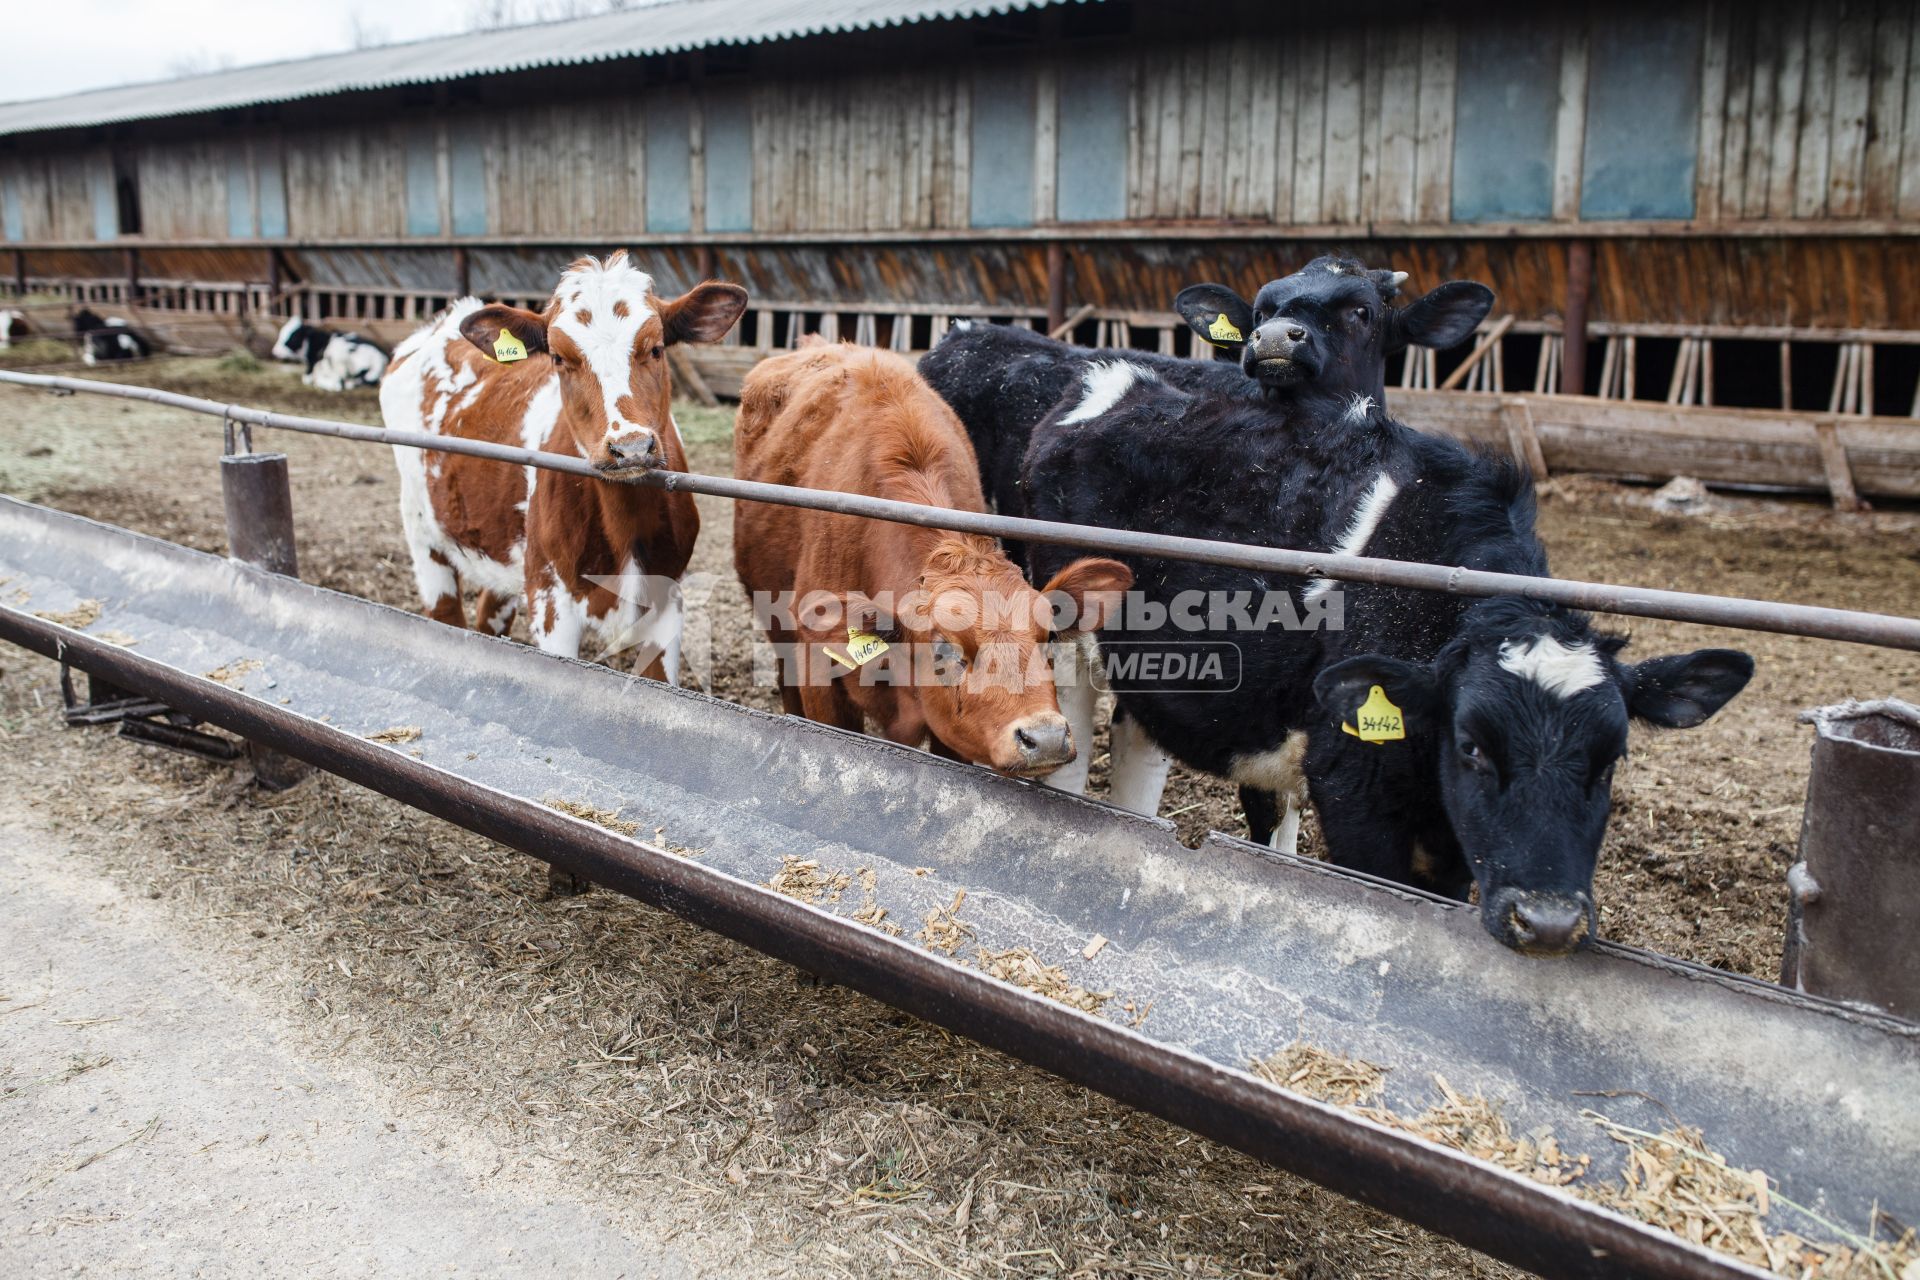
1833	458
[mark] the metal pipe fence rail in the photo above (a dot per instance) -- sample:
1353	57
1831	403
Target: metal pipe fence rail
1885	630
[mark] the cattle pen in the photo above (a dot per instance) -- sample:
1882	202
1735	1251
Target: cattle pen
1340	959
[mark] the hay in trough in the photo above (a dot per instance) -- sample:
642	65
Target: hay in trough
228	672
1477	1126
397	734
871	913
80	617
804	879
1309	1069
607	818
943	929
1024	969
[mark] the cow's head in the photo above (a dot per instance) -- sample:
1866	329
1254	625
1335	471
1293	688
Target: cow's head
607	334
283	342
1330	325
975	639
1523	717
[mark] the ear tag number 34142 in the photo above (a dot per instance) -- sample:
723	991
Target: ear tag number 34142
1379	719
507	348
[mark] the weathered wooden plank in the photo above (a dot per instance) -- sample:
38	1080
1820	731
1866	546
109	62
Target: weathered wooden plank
1166	194
1373	55
1285	63
1395	192
1218	107
1570	132
1239	130
1194	125
1852	96
1708	172
1880	179
1438	44
1340	180
1310	127
1833	460
1816	115
1046	141
1768	51
1738	104
1789	89
1909	199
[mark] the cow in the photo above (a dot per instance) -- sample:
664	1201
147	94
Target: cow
334	361
13	325
1003	380
1445	743
107	339
586	377
936	636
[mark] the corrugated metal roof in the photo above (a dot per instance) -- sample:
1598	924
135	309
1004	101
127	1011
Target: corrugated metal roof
662	28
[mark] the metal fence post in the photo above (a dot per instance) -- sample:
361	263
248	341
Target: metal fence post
1854	896
259	506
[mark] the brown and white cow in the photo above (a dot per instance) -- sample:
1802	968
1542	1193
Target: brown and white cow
967	669
588	377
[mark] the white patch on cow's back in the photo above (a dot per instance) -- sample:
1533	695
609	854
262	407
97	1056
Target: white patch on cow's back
606	341
1105	382
1561	669
1367	514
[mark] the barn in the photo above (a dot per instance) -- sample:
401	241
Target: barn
1718	201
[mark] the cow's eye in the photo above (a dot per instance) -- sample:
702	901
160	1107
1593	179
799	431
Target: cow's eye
1471	753
658	351
947	653
1362	315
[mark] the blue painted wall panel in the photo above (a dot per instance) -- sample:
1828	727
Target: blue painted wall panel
1002	170
1504	122
1091	173
467	175
1643	117
241	223
272	184
106	210
423	181
13	215
669	163
729	141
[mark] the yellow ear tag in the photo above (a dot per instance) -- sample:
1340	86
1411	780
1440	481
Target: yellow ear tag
507	348
1379	719
1223	330
862	647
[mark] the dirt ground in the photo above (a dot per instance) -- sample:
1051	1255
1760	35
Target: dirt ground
639	1062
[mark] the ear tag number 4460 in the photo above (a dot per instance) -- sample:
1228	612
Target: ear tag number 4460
862	647
1379	719
507	348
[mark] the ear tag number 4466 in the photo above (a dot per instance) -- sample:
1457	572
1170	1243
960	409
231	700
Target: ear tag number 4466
507	348
1379	719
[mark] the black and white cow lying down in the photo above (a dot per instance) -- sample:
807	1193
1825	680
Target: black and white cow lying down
13	327
1509	714
107	339
334	361
1002	381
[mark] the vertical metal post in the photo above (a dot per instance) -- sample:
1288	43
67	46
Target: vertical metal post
259	506
133	277
1854	895
462	272
20	271
1573	355
1056	285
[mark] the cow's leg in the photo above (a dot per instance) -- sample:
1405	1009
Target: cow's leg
1079	701
439	587
558	620
1140	767
496	611
1263	813
1286	837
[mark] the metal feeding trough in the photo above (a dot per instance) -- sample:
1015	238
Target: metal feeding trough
1214	956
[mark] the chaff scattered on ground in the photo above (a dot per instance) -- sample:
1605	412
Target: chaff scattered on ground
396	734
1024	969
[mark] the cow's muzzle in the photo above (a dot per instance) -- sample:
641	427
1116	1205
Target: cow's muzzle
1281	353
1036	746
635	451
1541	924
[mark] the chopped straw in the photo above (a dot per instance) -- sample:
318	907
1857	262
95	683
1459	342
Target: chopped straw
607	818
1309	1069
397	734
803	879
1024	969
80	617
943	930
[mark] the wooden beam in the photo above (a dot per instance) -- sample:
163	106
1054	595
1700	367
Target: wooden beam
1833	457
1573	359
689	377
1479	352
1056	286
1517	417
1072	322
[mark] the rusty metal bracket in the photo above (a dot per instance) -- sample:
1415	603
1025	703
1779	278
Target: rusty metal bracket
141	719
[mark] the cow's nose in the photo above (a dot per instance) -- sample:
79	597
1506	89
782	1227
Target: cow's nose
1295	333
1275	341
1042	743
641	449
1549	924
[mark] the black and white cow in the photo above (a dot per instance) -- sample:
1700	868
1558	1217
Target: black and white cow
1002	381
13	327
107	339
1510	714
334	361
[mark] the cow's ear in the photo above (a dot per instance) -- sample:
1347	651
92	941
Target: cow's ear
703	313
1412	689
1216	313
484	327
1681	690
1445	317
1095	587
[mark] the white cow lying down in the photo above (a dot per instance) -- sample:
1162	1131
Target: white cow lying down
335	361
